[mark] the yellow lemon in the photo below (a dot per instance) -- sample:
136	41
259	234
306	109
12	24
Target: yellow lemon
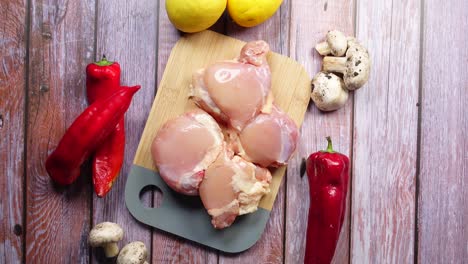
248	13
194	15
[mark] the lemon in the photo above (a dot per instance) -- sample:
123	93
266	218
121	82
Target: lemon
248	13
194	15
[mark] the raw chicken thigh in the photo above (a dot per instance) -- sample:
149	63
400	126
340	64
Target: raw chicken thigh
235	91
184	147
217	194
227	170
269	139
232	187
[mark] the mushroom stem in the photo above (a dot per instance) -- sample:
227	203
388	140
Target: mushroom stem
334	64
111	250
323	48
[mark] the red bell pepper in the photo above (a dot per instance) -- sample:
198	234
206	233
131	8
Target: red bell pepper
328	174
102	80
86	133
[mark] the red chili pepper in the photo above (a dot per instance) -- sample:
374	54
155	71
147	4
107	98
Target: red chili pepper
328	174
86	133
102	80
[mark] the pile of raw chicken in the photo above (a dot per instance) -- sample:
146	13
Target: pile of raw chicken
222	150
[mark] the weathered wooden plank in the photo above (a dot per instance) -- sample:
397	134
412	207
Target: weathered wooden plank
166	247
442	203
270	247
385	134
127	33
13	38
310	21
61	44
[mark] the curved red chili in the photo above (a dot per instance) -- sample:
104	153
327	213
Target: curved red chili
86	133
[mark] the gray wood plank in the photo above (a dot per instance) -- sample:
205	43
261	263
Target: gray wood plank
13	38
442	201
310	21
127	33
61	44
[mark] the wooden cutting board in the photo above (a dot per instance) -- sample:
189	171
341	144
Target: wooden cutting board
183	215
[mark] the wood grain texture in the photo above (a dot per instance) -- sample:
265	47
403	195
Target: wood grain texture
385	134
443	210
270	247
13	38
61	44
310	21
381	137
127	33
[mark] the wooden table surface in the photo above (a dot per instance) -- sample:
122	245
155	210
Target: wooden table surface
405	131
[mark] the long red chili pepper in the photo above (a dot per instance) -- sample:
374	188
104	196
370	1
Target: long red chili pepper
328	174
102	80
87	132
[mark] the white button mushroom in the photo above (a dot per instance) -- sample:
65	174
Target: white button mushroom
106	235
328	91
355	67
335	44
133	253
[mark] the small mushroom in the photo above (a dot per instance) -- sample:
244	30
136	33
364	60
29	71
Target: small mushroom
133	253
355	67
106	235
335	44
328	91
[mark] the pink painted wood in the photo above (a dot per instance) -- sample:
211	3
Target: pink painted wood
60	45
385	134
408	195
310	21
443	210
13	71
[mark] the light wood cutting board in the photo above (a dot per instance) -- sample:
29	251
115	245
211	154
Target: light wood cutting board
182	215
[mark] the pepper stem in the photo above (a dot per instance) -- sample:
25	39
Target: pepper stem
329	146
104	61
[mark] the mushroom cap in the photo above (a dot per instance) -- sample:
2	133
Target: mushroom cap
328	91
337	42
133	253
105	232
357	65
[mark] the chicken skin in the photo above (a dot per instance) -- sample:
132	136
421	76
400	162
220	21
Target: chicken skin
184	147
232	187
235	91
269	139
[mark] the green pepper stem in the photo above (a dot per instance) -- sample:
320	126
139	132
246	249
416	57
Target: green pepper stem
104	62
330	145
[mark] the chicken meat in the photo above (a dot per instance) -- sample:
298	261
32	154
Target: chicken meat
269	139
184	147
232	187
226	163
235	91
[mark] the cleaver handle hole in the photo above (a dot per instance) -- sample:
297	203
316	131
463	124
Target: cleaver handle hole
151	196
